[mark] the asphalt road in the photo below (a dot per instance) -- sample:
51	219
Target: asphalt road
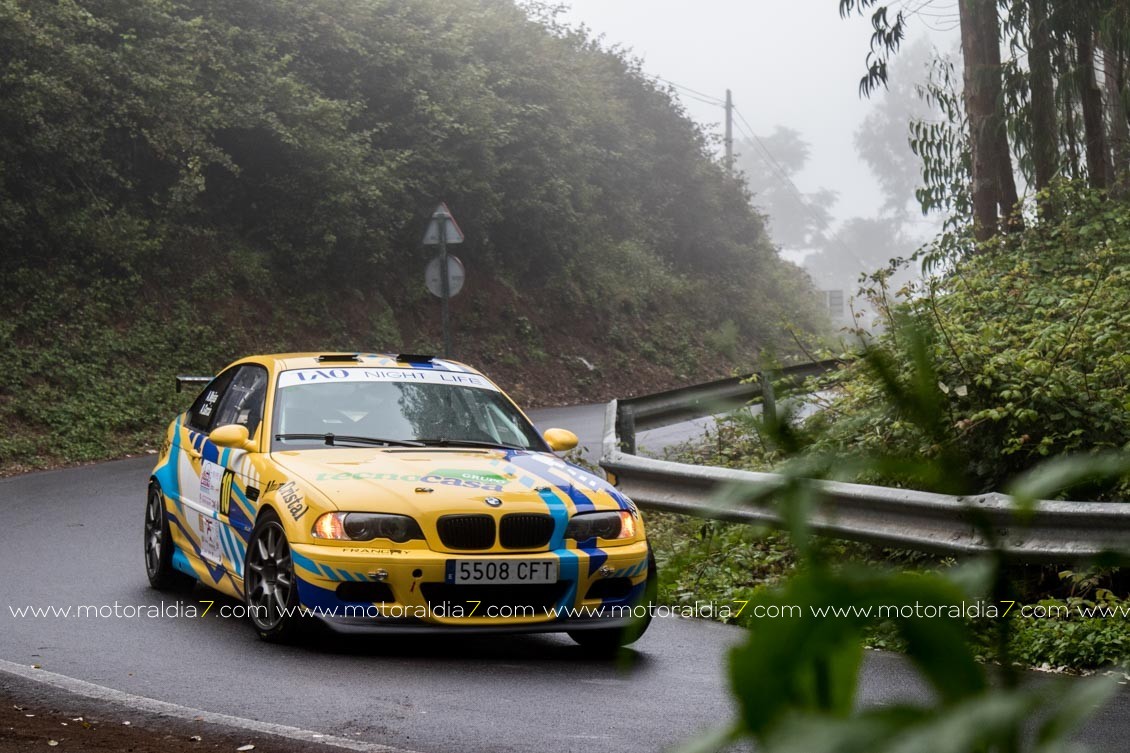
73	537
587	422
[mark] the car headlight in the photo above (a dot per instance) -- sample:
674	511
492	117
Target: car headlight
364	526
616	524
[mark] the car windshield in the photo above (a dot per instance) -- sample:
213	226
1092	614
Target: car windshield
353	406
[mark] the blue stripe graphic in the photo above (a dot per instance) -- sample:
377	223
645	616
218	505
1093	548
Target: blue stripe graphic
568	559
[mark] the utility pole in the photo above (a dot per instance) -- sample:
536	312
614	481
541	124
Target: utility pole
729	132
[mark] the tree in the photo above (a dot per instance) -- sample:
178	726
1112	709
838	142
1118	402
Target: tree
1091	98
861	245
882	139
1045	147
994	189
797	220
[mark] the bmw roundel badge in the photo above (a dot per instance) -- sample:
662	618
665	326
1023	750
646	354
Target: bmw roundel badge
493	501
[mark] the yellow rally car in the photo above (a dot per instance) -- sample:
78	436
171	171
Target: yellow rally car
390	493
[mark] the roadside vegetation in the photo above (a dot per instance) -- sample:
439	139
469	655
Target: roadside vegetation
968	626
185	182
1014	356
1004	370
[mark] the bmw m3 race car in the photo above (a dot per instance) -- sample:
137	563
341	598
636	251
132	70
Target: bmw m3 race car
394	493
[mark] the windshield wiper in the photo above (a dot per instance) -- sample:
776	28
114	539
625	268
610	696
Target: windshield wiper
442	442
331	439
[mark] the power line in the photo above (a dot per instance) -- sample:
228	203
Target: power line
774	166
704	101
783	175
778	168
710	97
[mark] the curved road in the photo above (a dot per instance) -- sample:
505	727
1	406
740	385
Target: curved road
73	537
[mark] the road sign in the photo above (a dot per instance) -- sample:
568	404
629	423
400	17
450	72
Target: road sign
451	231
441	231
455	276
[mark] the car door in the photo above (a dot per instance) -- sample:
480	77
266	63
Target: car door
216	479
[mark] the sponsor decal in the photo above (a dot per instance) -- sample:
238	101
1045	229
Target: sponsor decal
293	500
210	548
358	374
215	487
209	403
482	478
464	478
366	476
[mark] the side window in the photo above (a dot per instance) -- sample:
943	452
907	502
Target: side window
203	410
242	402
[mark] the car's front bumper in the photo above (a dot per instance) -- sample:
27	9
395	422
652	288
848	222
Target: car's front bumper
596	588
366	626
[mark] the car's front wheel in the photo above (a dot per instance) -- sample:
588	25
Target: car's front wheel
269	584
159	545
610	639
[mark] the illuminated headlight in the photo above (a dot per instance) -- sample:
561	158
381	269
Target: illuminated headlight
365	526
602	525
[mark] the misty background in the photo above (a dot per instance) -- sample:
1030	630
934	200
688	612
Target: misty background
831	170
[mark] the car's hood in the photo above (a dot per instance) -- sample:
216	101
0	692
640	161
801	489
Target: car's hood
421	481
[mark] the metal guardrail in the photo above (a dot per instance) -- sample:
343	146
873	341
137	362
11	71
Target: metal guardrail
1054	531
682	404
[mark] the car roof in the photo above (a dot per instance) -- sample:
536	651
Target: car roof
340	359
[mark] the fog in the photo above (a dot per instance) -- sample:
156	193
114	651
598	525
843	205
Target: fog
762	51
753	47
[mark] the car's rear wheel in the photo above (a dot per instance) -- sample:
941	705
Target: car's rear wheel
610	639
269	584
159	545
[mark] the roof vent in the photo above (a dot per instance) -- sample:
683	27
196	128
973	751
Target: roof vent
414	358
337	357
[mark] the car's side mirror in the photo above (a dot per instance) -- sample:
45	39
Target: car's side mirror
233	436
560	440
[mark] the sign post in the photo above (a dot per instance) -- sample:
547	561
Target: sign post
441	231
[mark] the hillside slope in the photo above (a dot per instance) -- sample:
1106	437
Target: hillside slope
186	181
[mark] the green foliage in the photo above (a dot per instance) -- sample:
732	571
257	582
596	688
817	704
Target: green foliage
1027	342
182	181
943	149
1068	638
796	678
724	339
709	562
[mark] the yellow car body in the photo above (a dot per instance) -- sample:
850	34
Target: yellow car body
492	554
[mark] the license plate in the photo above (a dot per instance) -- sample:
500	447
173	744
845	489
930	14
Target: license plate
501	571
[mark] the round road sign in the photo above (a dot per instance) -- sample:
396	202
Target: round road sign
455	276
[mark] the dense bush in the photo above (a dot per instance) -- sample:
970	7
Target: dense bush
183	180
1028	341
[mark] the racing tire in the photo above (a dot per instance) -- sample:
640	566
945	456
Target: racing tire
612	639
270	588
159	545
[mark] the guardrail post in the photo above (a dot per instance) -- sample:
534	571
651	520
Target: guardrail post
626	428
768	398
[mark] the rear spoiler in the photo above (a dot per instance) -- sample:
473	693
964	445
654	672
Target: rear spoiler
183	379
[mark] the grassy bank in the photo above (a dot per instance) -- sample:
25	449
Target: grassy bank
183	183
